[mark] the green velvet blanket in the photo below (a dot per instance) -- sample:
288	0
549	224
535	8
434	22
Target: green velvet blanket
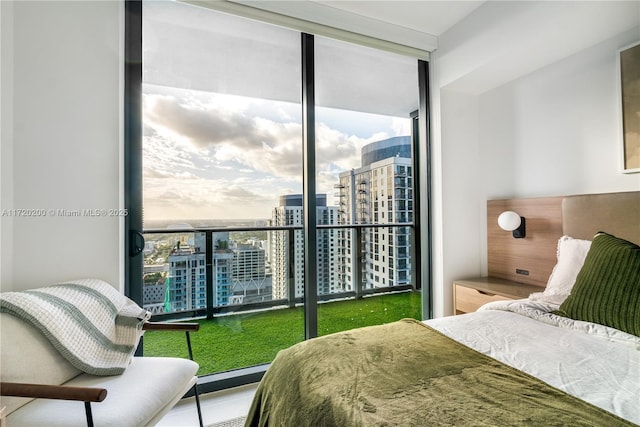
407	374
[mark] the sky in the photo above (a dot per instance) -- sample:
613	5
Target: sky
223	149
219	156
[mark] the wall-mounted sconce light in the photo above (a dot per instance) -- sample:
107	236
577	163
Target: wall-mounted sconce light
511	221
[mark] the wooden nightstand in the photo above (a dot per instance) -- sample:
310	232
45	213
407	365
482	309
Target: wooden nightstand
469	294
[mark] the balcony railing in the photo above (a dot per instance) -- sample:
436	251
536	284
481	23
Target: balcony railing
227	303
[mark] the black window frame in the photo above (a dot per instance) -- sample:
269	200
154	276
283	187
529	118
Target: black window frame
133	238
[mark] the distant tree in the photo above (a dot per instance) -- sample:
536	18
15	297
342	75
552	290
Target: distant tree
152	278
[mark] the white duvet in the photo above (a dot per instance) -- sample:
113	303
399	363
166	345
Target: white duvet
598	364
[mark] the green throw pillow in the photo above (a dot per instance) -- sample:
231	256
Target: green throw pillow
607	289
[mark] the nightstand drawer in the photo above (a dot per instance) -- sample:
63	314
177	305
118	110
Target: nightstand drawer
468	300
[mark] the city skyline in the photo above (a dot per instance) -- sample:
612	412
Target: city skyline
381	191
214	156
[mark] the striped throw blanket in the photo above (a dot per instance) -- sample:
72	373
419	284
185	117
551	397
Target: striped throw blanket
88	321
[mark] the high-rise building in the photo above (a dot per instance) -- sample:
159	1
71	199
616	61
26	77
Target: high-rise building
249	278
287	248
222	267
186	284
379	192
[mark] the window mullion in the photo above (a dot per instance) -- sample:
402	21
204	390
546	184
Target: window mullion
309	188
133	150
422	195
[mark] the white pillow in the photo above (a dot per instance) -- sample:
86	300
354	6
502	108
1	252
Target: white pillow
571	254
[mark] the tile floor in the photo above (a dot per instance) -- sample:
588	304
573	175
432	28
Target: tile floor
216	407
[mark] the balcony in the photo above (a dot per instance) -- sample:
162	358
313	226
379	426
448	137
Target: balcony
244	323
250	338
400	183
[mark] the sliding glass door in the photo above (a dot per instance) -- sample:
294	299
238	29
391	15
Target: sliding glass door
221	153
277	176
364	147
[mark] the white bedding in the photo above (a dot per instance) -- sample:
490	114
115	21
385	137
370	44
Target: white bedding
598	364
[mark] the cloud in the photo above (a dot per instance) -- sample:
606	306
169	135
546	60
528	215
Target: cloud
218	156
229	134
206	199
279	152
202	126
165	157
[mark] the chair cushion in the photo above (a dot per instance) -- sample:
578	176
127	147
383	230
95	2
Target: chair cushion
27	356
147	389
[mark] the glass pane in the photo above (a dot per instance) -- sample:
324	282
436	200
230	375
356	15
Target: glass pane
365	99
174	272
222	127
221	145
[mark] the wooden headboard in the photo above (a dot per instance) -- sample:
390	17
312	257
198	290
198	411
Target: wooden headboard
616	213
531	260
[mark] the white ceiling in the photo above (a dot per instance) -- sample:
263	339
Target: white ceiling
416	24
431	17
503	41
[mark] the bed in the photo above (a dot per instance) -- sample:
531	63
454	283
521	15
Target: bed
568	355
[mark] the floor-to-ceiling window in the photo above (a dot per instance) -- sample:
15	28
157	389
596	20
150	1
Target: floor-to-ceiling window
246	127
364	151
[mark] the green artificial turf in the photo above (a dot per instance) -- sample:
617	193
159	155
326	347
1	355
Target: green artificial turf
247	339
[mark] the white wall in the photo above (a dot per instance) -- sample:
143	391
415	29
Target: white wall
567	138
61	140
6	135
554	131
